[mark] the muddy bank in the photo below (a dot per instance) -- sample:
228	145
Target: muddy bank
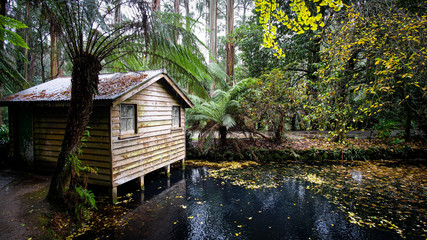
23	207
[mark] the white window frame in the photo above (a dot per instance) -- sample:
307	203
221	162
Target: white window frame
174	124
134	130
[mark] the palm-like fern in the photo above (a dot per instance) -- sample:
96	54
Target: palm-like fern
10	79
216	114
173	47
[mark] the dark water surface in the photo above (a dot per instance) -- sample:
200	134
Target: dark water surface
193	206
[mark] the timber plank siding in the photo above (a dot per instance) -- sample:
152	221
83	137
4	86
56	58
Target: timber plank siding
49	128
149	141
156	144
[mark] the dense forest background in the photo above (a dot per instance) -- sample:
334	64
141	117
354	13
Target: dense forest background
256	66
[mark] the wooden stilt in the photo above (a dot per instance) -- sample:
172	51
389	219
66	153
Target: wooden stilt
168	170
141	182
142	196
183	164
113	194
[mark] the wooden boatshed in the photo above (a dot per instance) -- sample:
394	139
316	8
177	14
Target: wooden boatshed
137	126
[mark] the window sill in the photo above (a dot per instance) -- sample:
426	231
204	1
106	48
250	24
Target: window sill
129	136
176	129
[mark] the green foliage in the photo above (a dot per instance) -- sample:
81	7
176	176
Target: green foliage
88	200
183	59
255	58
10	78
79	199
9	36
385	128
300	16
369	67
4	134
271	101
216	114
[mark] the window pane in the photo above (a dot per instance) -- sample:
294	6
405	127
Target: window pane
129	112
122	125
122	110
175	116
130	124
127	118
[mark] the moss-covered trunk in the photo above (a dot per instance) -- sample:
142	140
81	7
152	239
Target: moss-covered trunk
84	85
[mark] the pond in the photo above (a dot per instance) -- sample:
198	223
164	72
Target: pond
279	201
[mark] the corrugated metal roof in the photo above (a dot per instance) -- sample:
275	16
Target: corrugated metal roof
110	87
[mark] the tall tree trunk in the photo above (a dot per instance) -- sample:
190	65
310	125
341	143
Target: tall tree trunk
118	12
213	11
176	6
84	81
245	8
187	15
27	38
3	4
34	61
230	44
53	51
155	5
178	18
43	72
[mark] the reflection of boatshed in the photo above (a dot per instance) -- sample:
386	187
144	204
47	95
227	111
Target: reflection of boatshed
137	125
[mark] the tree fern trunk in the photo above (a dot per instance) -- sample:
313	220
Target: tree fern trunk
223	136
84	84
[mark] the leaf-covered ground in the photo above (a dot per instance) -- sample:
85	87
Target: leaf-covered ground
378	194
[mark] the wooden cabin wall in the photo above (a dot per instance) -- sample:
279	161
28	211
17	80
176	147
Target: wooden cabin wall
49	129
155	144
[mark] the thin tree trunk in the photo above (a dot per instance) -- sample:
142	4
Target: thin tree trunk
27	38
118	12
230	45
53	52
245	6
280	129
187	15
176	6
155	5
84	81
213	11
408	122
43	71
178	18
42	40
32	66
294	122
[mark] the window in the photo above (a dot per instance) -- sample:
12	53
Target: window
127	119
176	117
